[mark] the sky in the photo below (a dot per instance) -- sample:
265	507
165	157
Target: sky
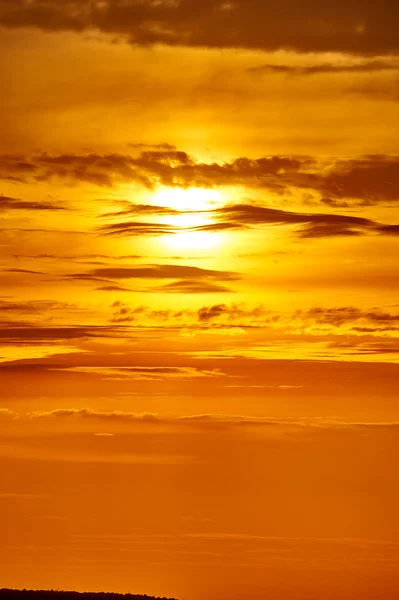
199	297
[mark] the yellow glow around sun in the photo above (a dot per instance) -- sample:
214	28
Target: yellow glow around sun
194	199
198	240
191	202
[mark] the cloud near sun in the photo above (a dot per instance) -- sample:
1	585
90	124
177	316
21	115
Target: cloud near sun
199	318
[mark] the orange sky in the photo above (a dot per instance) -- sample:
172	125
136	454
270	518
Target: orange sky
199	314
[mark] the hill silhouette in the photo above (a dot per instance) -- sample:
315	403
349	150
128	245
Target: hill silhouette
7	594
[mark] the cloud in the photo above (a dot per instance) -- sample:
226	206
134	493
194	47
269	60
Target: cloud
161	146
92	414
155	373
142	209
371	66
364	181
35	307
360	348
214	420
7	203
347	314
212	312
134	228
36	334
26	271
371	179
113	288
311	225
352	25
190	280
159	272
353	319
5	413
233	313
128	228
127	319
388	229
193	287
101	170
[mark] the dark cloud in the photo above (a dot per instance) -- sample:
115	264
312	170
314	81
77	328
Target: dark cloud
310	225
124	313
102	170
347	314
193	287
372	179
142	209
162	146
353	319
357	26
366	180
389	229
323	230
7	203
29	367
137	228
25	271
161	272
208	313
33	306
33	335
190	280
237	314
371	66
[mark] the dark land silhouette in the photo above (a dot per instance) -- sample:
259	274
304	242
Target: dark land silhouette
7	594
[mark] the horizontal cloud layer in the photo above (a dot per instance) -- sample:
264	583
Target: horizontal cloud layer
351	25
367	180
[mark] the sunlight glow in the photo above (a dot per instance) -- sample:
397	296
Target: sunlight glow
188	199
194	201
197	240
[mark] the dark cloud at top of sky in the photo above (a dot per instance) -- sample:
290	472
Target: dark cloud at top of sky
358	26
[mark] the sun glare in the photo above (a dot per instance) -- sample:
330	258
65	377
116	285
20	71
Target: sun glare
199	240
193	204
194	199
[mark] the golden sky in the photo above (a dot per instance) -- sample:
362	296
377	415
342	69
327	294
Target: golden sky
199	297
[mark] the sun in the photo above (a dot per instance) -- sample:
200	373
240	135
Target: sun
191	206
190	199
